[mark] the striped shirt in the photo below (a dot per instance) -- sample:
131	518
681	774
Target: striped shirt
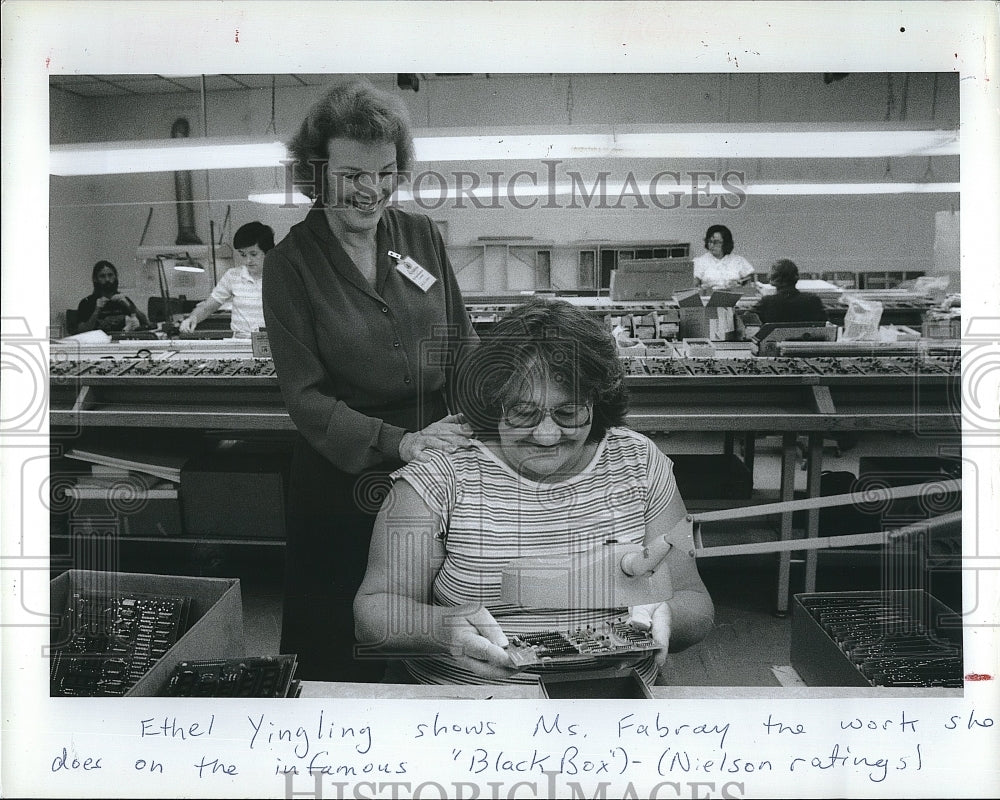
491	515
240	288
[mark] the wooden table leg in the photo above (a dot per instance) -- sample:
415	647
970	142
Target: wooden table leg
815	470
789	464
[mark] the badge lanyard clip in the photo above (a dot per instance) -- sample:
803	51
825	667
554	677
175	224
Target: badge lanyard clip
412	271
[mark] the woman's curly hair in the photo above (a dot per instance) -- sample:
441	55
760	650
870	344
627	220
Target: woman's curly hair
540	339
356	110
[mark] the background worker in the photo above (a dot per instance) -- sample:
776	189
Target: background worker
239	285
720	267
788	304
105	307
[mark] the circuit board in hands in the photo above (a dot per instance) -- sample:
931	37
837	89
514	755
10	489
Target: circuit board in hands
573	648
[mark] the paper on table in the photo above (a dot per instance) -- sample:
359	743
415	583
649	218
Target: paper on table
162	464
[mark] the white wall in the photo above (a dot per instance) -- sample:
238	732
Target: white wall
103	217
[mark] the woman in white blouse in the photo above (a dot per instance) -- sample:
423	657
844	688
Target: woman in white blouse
240	286
720	267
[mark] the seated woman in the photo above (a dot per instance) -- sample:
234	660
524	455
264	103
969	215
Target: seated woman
240	286
553	473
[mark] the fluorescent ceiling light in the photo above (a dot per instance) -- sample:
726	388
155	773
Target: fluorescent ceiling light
675	141
163	155
850	188
280	199
731	143
614	193
610	193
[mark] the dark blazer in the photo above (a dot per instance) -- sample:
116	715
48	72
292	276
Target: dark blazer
360	365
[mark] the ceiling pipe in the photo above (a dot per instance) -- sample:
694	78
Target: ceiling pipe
186	233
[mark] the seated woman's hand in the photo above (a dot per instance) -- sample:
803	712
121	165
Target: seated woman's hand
448	434
655	618
475	640
188	325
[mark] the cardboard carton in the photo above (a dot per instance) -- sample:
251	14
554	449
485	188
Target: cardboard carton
215	618
714	318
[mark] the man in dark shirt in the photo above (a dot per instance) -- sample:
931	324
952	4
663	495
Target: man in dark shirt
788	304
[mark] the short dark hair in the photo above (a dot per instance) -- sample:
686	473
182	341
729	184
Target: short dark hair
785	272
727	238
566	342
254	233
353	109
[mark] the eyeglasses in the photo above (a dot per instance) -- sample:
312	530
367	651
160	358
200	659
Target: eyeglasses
716	241
528	415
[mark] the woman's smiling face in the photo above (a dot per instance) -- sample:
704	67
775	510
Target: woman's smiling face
541	435
361	178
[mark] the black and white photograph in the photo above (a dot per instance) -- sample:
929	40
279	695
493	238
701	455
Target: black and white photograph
635	389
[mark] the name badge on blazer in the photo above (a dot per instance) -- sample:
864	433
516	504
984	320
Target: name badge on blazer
413	272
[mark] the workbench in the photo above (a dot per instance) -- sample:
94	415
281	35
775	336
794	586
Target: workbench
400	691
218	386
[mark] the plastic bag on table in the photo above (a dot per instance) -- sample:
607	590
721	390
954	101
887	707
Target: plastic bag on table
861	320
626	344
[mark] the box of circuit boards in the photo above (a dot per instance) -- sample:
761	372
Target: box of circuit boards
898	638
122	634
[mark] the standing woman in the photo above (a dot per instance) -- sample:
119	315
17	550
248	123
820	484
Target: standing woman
240	286
720	267
366	323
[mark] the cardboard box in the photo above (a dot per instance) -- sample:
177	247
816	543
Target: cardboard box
649	279
699	348
820	661
714	318
937	325
215	618
259	343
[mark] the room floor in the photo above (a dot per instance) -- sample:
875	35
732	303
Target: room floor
748	638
